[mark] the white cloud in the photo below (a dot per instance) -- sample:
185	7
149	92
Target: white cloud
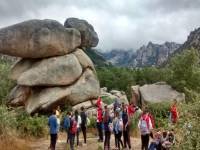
119	23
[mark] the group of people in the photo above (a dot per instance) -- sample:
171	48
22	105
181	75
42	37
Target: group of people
73	124
116	121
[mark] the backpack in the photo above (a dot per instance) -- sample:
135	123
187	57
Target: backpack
144	127
73	126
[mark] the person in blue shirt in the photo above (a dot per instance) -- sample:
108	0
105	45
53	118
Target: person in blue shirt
53	126
67	120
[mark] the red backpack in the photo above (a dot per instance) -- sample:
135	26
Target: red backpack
73	126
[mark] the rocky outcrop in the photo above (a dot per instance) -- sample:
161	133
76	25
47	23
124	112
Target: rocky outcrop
135	95
38	39
158	93
89	37
114	94
149	55
19	95
61	75
55	71
86	88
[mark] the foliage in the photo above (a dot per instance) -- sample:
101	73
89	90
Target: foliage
5	83
185	71
92	122
188	127
31	125
160	111
7	119
107	100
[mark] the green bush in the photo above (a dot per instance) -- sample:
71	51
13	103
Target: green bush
107	100
92	122
160	112
32	125
5	83
8	121
188	127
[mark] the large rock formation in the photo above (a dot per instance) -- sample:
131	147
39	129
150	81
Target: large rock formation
156	93
89	37
62	73
38	39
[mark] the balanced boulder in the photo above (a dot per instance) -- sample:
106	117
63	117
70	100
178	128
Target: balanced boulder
38	39
53	70
61	70
87	87
89	37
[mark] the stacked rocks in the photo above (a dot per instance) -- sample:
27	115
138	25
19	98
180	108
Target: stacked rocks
54	69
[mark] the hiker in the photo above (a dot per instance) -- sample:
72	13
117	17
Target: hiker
126	127
107	128
173	112
83	123
169	140
145	126
132	109
117	129
72	131
157	141
99	120
67	124
116	104
53	125
78	121
58	115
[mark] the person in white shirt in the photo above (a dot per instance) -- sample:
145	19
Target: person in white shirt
78	120
145	126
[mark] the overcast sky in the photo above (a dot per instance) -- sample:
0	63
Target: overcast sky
119	23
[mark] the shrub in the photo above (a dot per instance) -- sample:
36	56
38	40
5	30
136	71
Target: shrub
92	122
107	100
188	127
5	83
8	121
160	111
32	126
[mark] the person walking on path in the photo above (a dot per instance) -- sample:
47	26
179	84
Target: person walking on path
53	125
99	119
67	124
126	128
145	127
78	120
72	131
83	123
117	128
107	128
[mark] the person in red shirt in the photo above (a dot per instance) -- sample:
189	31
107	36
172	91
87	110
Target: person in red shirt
99	119
132	109
174	112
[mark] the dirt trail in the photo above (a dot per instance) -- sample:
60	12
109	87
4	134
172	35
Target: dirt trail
92	144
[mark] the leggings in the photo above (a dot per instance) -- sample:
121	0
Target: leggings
83	128
119	140
107	140
77	136
71	139
126	136
100	131
53	141
145	141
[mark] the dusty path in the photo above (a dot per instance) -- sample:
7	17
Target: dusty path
92	144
